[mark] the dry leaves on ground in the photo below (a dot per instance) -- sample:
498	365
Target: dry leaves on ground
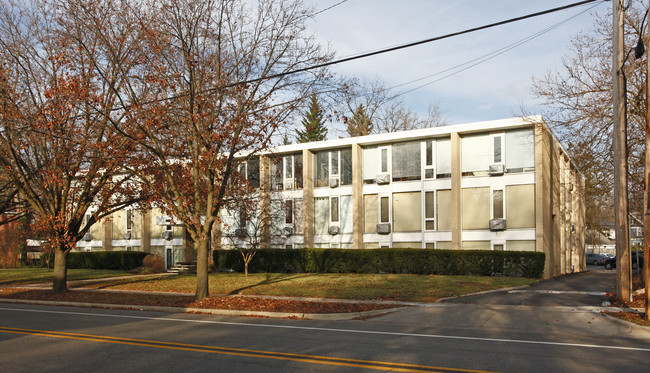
185	301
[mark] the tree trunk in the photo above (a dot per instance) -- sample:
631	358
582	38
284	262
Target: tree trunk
246	267
60	282
202	284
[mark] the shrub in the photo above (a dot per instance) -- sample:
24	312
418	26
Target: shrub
153	263
415	261
117	260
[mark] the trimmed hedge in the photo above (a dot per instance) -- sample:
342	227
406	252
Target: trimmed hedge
119	260
414	261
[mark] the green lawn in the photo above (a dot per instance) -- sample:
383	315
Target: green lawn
416	288
32	275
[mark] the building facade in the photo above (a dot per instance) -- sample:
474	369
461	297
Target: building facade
498	185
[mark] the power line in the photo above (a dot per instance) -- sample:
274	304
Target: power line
374	53
412	44
483	58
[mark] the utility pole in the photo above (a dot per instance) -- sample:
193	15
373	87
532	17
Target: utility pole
619	133
646	207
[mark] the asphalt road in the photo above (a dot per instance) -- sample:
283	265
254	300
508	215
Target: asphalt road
443	337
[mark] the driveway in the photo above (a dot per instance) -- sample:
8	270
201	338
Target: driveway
573	290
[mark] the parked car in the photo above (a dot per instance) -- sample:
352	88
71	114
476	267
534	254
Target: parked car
596	259
610	263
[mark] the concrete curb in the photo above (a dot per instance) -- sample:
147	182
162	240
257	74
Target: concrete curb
281	315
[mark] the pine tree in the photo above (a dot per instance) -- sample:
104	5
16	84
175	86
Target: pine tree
313	123
360	124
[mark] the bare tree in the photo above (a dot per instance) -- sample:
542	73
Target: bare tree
578	98
220	83
385	109
57	146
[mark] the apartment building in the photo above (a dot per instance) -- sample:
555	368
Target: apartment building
497	185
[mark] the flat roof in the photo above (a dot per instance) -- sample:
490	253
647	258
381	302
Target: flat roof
440	131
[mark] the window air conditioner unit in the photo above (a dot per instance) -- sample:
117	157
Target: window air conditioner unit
383	179
88	237
288	185
288	231
240	232
163	220
127	235
497	169
168	235
334	182
383	228
497	224
334	230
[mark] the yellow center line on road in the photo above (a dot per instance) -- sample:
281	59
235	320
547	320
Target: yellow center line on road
312	359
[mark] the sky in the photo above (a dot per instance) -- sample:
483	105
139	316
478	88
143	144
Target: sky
496	88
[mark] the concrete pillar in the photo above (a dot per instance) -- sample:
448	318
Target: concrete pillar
107	240
145	235
265	202
456	227
357	196
308	197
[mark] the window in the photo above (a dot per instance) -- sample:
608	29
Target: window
335	164
288	215
129	220
370	166
497	204
322	169
288	172
250	171
429	171
443	209
298	218
253	172
475	245
476	155
476	208
407	212
385	210
406	161
321	215
520	206
277	173
346	214
496	149
384	160
370	209
429	211
346	167
334	209
443	158
520	150
522	245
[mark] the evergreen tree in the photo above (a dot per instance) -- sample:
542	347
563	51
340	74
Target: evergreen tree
360	124
313	123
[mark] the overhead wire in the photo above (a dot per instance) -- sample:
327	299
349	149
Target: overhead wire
486	57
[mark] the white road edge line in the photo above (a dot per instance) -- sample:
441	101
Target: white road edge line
335	330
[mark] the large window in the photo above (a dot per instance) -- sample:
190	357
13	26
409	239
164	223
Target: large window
370	213
250	171
407	212
520	150
346	214
443	158
370	164
476	155
321	215
476	208
520	206
443	209
333	164
406	161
